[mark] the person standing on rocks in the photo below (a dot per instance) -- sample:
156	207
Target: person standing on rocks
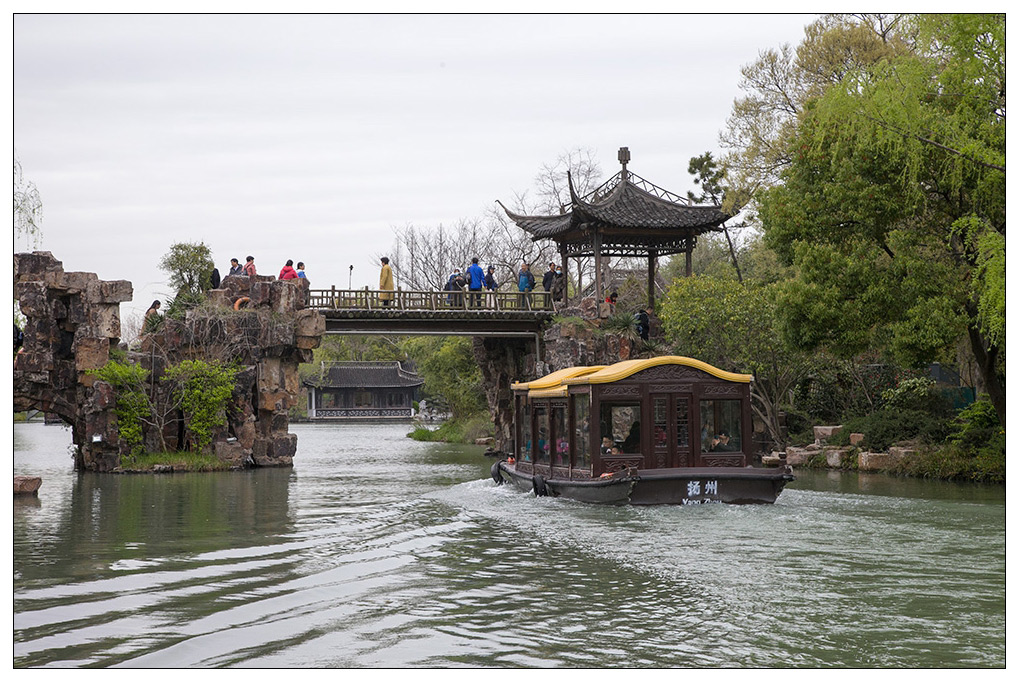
151	320
385	283
288	272
249	267
235	268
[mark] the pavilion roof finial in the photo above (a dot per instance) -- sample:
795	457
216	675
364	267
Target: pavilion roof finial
623	156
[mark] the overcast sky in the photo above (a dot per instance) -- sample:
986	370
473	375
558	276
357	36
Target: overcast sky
309	137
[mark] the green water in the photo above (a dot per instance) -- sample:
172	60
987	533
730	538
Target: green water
378	551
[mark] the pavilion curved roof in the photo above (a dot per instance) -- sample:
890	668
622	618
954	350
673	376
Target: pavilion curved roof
626	201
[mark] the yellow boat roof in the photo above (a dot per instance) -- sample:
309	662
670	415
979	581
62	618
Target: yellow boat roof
555	378
620	370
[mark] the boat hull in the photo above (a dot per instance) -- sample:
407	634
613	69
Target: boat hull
685	486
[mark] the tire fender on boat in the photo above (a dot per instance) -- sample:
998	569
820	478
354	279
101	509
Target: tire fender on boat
496	473
540	489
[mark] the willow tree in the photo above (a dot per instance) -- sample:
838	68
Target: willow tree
892	206
27	207
758	135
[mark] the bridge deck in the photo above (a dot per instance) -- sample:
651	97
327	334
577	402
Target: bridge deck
483	313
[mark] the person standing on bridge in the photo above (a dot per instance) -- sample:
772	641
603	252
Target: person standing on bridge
489	279
526	284
385	283
475	282
549	278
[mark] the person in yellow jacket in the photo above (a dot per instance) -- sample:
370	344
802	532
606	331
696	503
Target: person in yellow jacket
385	282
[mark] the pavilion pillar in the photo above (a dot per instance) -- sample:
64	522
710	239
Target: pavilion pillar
598	294
651	262
579	280
689	257
565	274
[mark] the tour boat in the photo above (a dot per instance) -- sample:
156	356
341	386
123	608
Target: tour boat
665	430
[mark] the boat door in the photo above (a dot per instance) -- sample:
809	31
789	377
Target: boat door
669	442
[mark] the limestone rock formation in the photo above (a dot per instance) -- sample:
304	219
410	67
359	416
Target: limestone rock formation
74	321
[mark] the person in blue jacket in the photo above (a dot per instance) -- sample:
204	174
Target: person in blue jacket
526	284
475	282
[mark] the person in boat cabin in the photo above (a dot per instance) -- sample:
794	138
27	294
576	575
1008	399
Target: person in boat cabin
631	444
606	446
722	444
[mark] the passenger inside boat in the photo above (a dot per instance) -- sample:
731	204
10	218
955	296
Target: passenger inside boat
632	441
723	417
620	424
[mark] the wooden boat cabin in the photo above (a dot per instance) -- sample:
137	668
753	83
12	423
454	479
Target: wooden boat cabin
659	413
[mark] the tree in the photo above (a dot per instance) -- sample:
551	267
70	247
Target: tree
422	258
450	371
190	268
27	207
779	85
735	327
892	205
710	178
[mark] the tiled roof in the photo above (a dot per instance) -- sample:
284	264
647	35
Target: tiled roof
365	375
624	201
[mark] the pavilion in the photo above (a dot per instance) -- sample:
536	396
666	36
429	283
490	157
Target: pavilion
626	216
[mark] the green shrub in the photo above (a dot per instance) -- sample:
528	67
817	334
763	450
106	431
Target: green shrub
132	404
799	426
457	430
975	425
951	462
204	390
917	393
887	426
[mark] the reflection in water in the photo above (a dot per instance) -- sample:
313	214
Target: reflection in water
377	551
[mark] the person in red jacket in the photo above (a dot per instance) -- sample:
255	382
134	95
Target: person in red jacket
288	272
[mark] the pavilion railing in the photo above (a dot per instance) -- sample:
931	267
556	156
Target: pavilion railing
366	299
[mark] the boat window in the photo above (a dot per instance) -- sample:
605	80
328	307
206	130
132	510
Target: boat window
682	423
526	449
543	453
620	428
581	431
721	425
661	422
560	455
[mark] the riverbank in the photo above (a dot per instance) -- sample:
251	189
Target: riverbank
941	462
466	430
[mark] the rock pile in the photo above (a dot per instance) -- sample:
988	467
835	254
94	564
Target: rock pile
74	321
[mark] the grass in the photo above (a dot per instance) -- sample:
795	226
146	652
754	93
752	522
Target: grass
179	461
463	430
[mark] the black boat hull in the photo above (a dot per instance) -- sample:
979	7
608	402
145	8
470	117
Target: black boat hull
685	486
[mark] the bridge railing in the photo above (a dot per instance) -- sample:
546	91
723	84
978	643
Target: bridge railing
366	299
